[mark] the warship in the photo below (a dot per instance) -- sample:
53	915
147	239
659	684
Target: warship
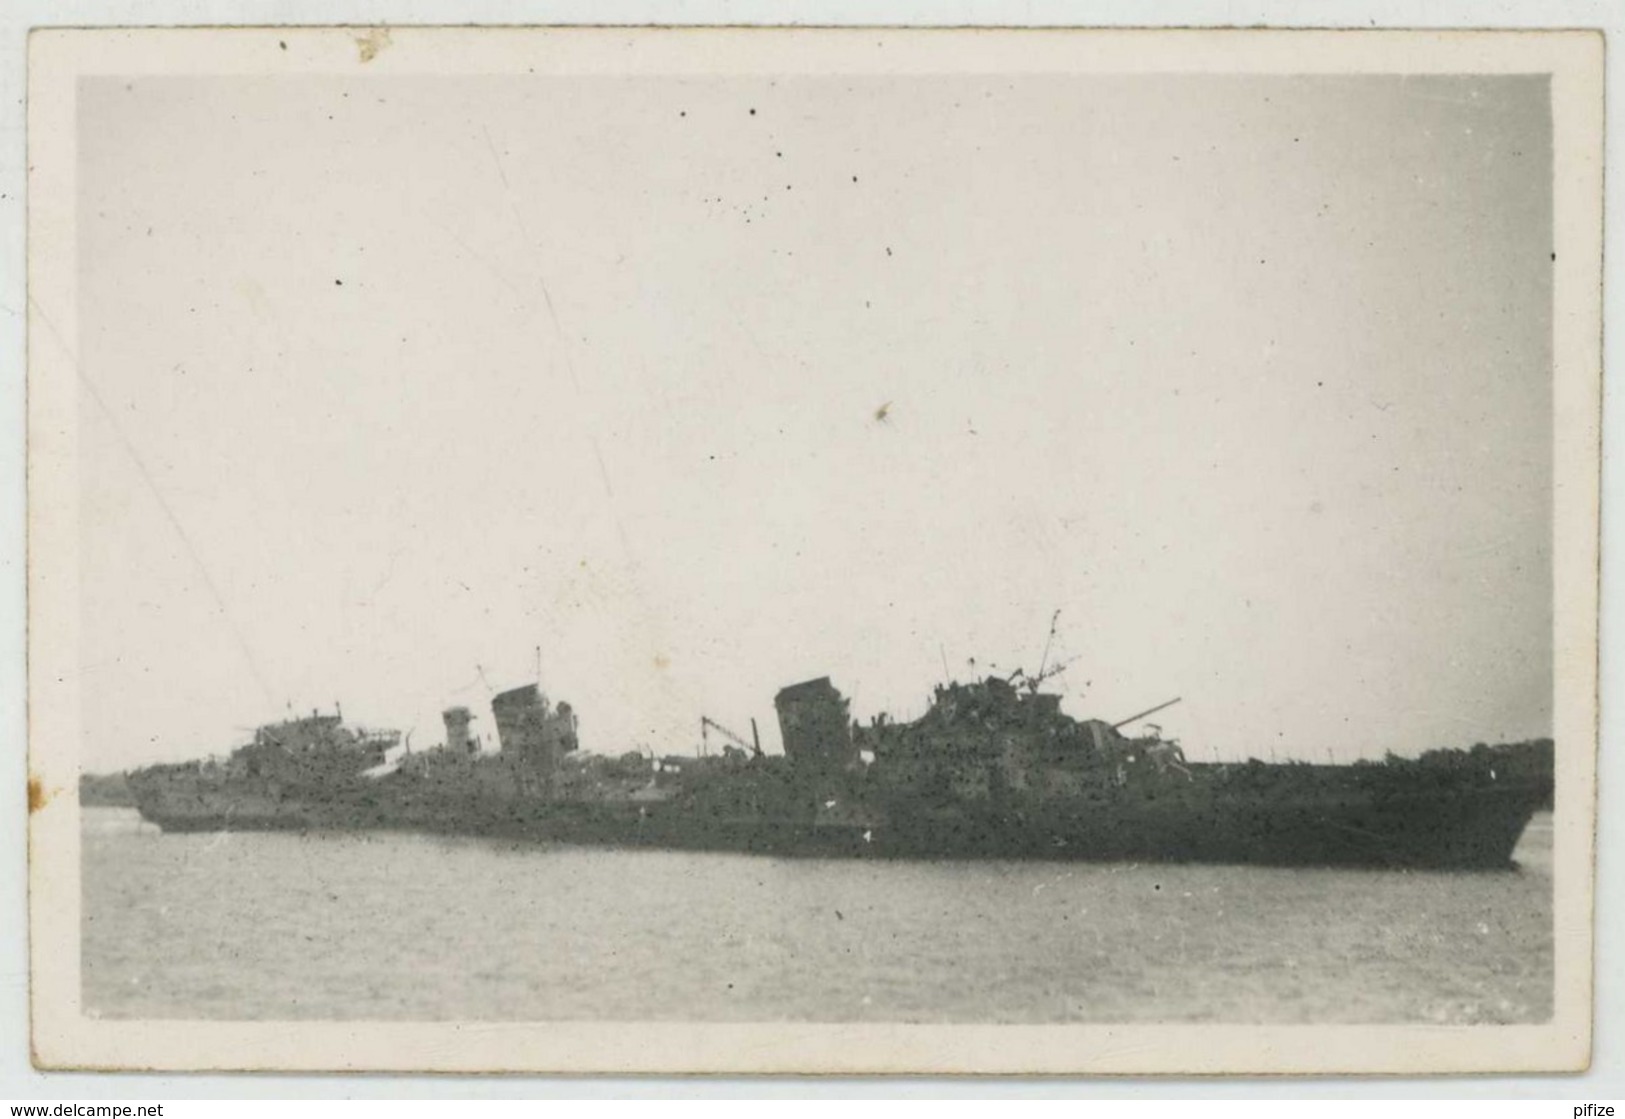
993	769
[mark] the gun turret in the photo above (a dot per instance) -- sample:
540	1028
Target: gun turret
1143	714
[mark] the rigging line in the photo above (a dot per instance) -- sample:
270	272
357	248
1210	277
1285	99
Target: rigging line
558	330
564	351
547	298
163	504
541	280
553	312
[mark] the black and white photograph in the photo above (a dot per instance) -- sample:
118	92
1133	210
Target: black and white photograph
709	550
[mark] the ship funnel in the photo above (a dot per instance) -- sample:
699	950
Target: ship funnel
533	733
814	722
458	740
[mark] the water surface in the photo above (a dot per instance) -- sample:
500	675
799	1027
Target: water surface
400	926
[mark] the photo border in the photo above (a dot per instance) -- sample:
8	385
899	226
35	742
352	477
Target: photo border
64	1038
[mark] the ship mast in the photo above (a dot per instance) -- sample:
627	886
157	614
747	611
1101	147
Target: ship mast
1036	680
1055	620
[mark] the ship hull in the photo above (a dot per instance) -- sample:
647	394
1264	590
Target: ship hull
1470	827
1480	830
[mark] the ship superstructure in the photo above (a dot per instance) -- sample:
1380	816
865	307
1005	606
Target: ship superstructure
994	768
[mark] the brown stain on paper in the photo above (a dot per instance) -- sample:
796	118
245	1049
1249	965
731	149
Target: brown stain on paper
38	797
372	43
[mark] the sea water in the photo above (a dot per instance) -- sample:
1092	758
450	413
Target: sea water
412	927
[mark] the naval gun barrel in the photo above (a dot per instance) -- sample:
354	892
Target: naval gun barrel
1143	714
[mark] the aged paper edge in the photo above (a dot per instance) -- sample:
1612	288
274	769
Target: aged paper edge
63	1038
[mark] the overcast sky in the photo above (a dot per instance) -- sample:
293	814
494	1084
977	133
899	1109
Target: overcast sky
707	386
